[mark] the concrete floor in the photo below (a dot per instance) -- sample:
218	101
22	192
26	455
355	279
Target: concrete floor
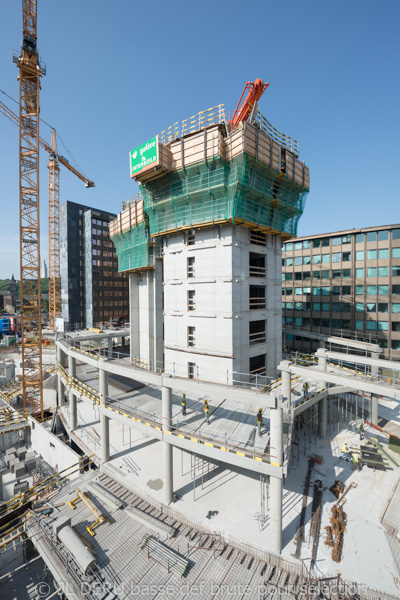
235	497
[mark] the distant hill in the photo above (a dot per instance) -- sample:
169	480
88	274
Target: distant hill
44	285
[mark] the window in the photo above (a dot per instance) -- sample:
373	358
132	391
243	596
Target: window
325	242
336	324
317	306
316	243
191	300
383	253
283	305
383	343
395	252
256	265
371	325
396	307
190	266
346	289
396	271
325	323
326	258
306	260
359	238
289	262
306	244
360	255
191	237
289	305
346	273
371	271
383	290
383	236
383	271
359	290
191	336
325	274
298	306
336	241
326	291
297	260
395	234
316	259
257	332
336	273
298	321
256	297
289	291
306	275
371	306
371	236
383	307
316	274
191	370
346	307
359	325
336	307
298	291
345	324
383	326
336	257
316	291
257	364
260	239
325	306
336	290
298	276
346	239
316	322
395	326
298	245
306	290
371	290
346	256
288	247
371	254
359	307
288	276
396	289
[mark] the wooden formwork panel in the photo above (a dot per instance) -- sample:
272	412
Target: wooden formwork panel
199	147
128	218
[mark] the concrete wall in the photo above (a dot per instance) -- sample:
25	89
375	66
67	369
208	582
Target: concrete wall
52	449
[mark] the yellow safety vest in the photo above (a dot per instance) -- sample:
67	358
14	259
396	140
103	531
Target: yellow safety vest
354	458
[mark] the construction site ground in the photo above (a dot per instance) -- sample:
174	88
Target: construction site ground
228	502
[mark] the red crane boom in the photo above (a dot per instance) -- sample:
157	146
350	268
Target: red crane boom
254	92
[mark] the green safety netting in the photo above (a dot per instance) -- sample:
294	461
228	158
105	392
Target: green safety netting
133	250
241	190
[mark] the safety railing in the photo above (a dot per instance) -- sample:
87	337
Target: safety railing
203	119
284	140
342	333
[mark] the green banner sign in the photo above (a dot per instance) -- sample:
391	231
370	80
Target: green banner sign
144	156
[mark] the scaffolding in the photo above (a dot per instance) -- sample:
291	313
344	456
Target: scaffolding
133	249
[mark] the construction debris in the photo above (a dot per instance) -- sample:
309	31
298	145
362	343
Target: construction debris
338	523
316	518
337	488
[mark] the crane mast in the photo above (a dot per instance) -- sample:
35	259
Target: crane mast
31	326
54	234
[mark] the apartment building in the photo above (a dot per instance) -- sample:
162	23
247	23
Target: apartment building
92	290
344	281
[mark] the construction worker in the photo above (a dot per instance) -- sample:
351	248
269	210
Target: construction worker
345	451
361	430
207	411
305	389
259	421
183	403
355	461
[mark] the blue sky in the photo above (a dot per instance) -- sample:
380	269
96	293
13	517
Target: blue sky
120	72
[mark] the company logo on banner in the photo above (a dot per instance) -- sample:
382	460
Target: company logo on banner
144	157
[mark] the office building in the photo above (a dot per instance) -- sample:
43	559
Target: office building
92	290
345	281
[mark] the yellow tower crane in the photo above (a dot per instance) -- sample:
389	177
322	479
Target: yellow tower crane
54	205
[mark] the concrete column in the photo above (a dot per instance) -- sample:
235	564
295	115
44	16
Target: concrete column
110	347
60	385
167	448
2	471
322	416
321	353
134	314
104	420
287	386
71	395
276	484
374	409
374	368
